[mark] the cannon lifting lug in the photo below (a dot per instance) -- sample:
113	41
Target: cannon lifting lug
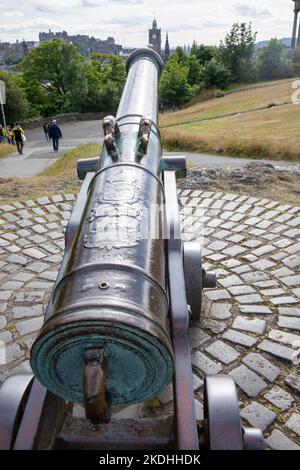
144	135
111	132
97	400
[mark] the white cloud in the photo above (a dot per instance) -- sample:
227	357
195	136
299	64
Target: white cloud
53	4
252	11
12	14
128	20
101	3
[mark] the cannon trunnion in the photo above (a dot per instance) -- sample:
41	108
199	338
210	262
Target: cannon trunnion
116	327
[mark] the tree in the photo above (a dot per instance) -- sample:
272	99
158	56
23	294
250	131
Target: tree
182	58
216	74
194	75
237	52
296	60
271	63
58	78
174	87
16	105
111	74
57	72
203	53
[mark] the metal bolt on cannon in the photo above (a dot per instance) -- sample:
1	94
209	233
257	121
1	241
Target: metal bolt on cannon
105	342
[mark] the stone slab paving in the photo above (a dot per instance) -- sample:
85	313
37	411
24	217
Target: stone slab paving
250	326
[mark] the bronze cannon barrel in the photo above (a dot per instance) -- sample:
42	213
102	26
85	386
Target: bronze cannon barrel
111	294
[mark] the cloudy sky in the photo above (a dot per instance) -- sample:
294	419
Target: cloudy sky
206	21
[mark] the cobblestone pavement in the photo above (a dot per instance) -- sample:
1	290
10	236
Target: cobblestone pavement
250	324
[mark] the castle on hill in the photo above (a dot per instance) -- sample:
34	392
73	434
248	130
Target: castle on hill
14	53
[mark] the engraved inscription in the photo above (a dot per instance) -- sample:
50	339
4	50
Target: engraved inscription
118	218
119	191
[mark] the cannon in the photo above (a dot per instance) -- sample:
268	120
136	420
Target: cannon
116	328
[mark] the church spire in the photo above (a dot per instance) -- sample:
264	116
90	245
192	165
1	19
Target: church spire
167	49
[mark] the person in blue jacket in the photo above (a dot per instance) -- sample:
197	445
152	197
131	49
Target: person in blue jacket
55	134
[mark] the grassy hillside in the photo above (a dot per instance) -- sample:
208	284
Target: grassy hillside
257	122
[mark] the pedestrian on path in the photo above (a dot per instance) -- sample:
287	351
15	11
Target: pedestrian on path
55	134
19	137
11	136
2	134
46	131
8	134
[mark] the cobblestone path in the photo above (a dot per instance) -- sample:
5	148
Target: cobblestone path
250	325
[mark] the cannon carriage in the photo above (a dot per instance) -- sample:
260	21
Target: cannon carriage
117	324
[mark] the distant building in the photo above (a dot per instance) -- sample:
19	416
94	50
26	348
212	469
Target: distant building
86	43
13	53
155	42
126	51
155	37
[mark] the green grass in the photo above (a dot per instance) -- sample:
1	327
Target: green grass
257	130
66	165
59	178
6	150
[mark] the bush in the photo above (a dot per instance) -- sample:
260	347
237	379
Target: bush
215	74
219	94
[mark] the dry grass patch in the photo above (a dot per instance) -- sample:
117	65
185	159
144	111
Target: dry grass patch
6	150
273	133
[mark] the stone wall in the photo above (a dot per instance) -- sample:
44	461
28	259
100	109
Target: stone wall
62	118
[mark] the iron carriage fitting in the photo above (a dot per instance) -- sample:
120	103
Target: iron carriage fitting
105	342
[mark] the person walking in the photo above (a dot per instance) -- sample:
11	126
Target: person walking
2	134
19	137
8	134
46	130
11	136
55	134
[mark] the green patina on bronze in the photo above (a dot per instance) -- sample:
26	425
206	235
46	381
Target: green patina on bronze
139	364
